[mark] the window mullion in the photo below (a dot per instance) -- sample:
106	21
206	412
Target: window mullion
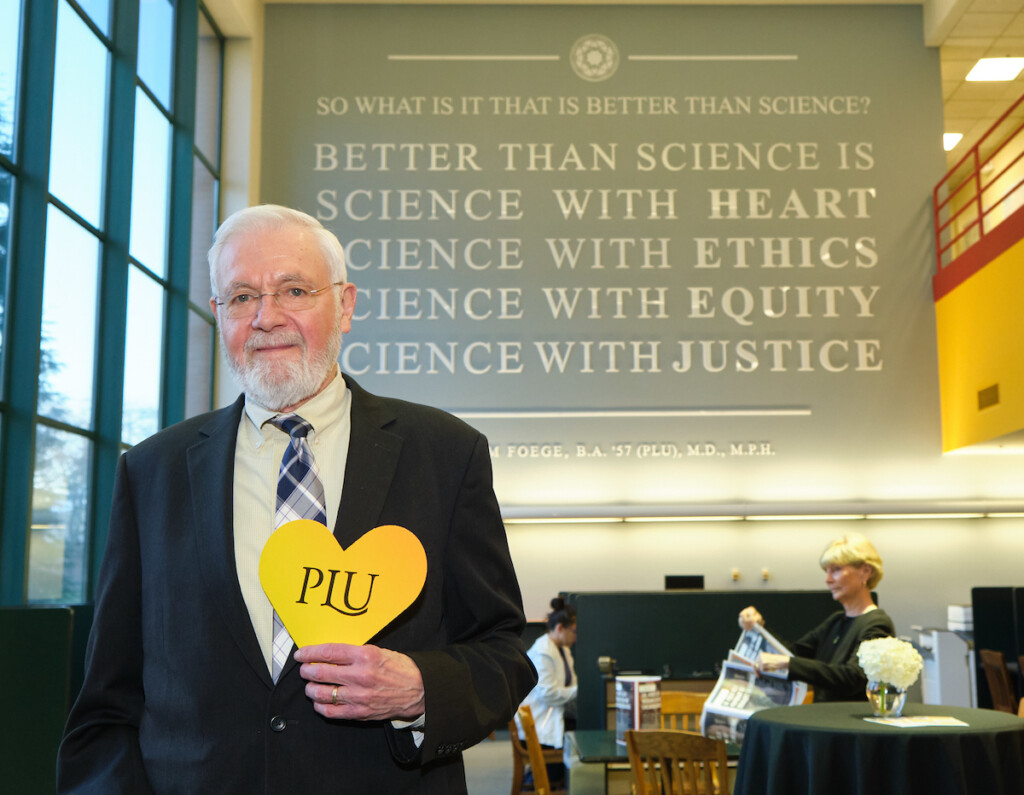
179	255
114	275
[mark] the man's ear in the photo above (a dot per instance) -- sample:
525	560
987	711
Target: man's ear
348	305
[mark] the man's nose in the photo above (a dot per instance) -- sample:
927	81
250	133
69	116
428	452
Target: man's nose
269	314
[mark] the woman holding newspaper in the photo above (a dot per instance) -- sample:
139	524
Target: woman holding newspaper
826	657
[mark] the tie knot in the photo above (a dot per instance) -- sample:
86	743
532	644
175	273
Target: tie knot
293	425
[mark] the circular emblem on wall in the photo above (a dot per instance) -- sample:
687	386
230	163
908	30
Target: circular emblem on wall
594	57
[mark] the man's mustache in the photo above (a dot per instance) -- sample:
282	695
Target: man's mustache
273	339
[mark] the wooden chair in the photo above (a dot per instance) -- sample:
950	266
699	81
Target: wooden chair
537	757
1020	706
680	709
521	758
676	763
998	677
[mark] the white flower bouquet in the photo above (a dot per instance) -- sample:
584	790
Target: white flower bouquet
890	660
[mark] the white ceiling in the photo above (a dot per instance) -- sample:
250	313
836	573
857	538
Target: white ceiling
964	30
987	28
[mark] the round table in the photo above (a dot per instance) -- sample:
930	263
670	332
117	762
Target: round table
830	748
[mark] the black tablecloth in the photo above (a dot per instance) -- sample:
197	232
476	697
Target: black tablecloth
829	749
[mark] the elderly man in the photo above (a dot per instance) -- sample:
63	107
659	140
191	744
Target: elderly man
183	690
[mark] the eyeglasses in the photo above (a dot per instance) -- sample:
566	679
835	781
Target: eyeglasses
246	303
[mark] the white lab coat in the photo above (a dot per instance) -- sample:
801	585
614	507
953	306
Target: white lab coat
549	697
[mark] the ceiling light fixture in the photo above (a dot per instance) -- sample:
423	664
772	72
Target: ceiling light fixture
563	520
712	518
996	69
806	517
950	140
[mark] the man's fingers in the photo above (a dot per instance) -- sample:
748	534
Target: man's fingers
336	653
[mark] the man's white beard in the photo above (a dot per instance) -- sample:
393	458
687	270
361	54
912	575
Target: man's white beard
278	385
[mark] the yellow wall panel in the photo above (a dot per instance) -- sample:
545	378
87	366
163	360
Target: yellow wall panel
980	329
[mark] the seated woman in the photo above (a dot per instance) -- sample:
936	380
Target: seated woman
826	657
553	700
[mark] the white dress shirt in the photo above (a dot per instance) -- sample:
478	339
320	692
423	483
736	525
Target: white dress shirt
258	452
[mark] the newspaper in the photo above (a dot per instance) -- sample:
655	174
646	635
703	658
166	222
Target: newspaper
741	691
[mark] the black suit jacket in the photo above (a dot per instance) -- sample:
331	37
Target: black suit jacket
177	697
827	660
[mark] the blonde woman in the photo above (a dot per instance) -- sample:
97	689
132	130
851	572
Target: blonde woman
826	657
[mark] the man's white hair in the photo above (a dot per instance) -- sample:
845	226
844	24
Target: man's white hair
265	217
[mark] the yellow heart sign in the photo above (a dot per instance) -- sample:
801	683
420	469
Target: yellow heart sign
326	594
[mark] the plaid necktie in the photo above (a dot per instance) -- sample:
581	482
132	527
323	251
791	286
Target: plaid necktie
300	495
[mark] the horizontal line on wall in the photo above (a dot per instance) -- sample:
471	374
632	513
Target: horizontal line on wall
712	57
628	414
500	58
473	57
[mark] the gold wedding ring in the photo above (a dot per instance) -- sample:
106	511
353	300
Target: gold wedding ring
334	696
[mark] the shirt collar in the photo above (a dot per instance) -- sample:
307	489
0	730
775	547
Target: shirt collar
321	411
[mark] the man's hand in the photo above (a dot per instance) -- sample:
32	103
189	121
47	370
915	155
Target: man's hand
361	682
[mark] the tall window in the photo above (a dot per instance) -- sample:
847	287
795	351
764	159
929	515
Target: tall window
102	340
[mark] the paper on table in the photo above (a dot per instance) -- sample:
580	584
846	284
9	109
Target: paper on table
919	720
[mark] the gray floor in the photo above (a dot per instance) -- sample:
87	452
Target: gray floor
489	772
489	766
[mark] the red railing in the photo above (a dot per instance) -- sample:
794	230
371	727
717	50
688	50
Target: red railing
982	189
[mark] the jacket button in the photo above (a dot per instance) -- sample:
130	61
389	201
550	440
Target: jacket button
278	724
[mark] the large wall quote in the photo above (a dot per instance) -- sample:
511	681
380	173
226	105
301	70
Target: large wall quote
659	255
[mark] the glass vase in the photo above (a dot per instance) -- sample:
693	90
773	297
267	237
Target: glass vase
886	700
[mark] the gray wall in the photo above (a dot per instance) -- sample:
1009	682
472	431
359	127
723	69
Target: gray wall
928	563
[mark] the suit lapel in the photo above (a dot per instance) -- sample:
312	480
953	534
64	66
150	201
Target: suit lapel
211	466
372	458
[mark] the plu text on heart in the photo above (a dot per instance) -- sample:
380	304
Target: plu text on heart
325	594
